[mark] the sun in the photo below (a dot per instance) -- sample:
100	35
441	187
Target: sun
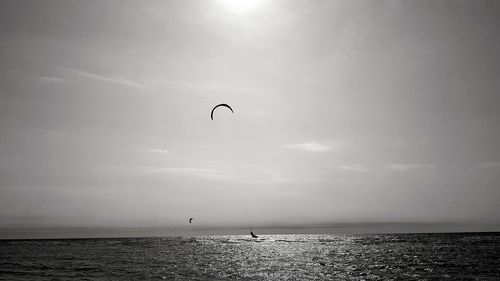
241	6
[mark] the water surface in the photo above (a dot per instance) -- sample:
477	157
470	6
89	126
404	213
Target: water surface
452	256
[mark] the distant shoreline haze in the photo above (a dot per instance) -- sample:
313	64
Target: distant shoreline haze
344	228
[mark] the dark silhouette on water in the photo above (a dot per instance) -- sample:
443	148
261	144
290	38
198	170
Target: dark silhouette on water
222	104
253	235
190	219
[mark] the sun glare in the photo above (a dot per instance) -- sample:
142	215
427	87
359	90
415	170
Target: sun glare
241	6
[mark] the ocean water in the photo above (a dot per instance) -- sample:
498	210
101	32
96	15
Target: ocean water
452	256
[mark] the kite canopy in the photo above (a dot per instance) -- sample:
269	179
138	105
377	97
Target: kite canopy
190	219
219	105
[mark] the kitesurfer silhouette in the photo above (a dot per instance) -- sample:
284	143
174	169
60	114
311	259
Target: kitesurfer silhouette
253	235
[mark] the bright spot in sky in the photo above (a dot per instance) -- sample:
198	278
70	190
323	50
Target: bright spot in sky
241	6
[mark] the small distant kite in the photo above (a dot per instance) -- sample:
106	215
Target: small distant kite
222	104
190	219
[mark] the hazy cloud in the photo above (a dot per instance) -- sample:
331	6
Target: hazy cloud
355	168
49	79
184	171
407	167
309	146
158	150
207	87
111	79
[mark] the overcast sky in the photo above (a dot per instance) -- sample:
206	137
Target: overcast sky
344	112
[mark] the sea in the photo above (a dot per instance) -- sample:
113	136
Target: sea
438	256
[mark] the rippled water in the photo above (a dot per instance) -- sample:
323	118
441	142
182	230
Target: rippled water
454	256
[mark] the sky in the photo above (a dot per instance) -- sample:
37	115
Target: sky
344	112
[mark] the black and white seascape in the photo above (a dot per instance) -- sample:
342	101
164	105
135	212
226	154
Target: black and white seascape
249	140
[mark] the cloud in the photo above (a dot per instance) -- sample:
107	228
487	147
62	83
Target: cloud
404	142
198	172
49	79
184	171
111	79
258	177
158	150
407	167
355	168
309	146
204	87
